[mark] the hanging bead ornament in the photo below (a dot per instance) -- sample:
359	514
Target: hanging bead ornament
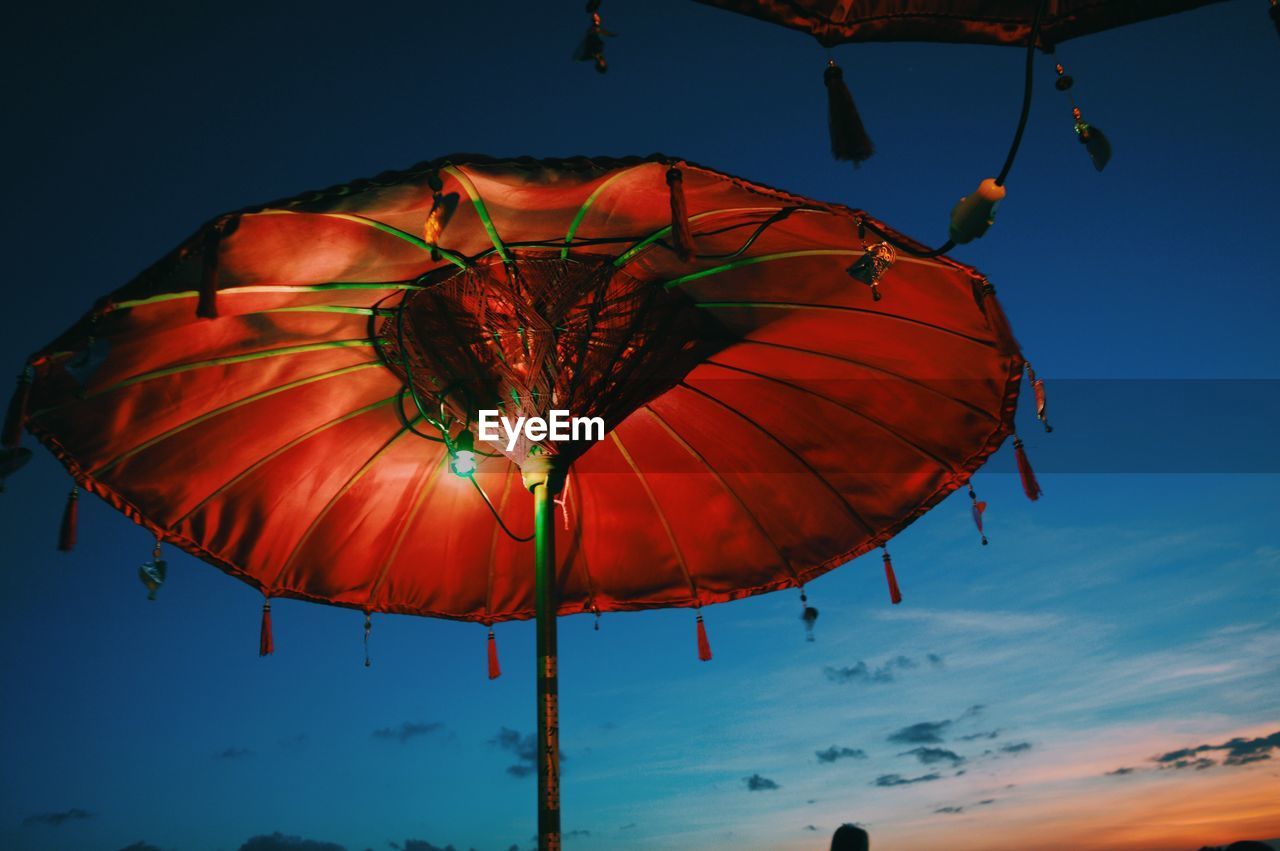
1094	140
1037	388
871	266
153	573
591	48
368	628
809	615
977	508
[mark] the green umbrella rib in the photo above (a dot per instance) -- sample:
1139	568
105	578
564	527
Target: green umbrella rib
248	400
481	210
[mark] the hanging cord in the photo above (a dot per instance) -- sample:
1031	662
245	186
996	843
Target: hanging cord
1025	112
512	535
368	628
1026	95
408	371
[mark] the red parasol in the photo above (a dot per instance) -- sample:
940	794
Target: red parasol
834	22
294	394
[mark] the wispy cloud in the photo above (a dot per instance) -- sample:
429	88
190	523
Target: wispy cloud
233	753
888	780
1239	751
863	672
407	731
756	783
57	819
834	753
923	732
523	747
281	842
930	756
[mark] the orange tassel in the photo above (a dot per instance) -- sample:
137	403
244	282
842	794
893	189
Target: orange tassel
495	670
1042	410
16	415
433	229
1006	345
895	595
681	237
70	517
1029	484
266	643
704	646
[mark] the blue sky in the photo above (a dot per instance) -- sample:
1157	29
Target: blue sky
1124	616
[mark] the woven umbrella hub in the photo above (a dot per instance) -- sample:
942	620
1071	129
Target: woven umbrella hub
539	332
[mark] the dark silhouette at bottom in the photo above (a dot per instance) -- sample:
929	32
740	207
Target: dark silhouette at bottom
850	837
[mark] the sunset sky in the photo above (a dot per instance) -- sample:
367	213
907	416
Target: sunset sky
1104	675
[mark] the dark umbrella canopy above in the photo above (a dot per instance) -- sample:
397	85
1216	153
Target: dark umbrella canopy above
1008	22
263	397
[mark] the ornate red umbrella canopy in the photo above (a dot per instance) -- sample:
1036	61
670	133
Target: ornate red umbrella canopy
282	395
1007	22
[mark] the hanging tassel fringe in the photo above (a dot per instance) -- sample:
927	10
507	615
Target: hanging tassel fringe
681	237
591	48
1006	345
1042	410
207	306
895	594
266	643
70	518
977	508
1029	484
849	139
495	670
16	414
704	646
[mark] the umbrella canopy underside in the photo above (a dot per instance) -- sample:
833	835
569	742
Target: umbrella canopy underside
1006	22
767	418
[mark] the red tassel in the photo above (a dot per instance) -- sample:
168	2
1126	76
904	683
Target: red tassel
681	237
70	516
1029	484
895	595
17	412
207	306
495	670
1006	345
704	646
1037	387
266	643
